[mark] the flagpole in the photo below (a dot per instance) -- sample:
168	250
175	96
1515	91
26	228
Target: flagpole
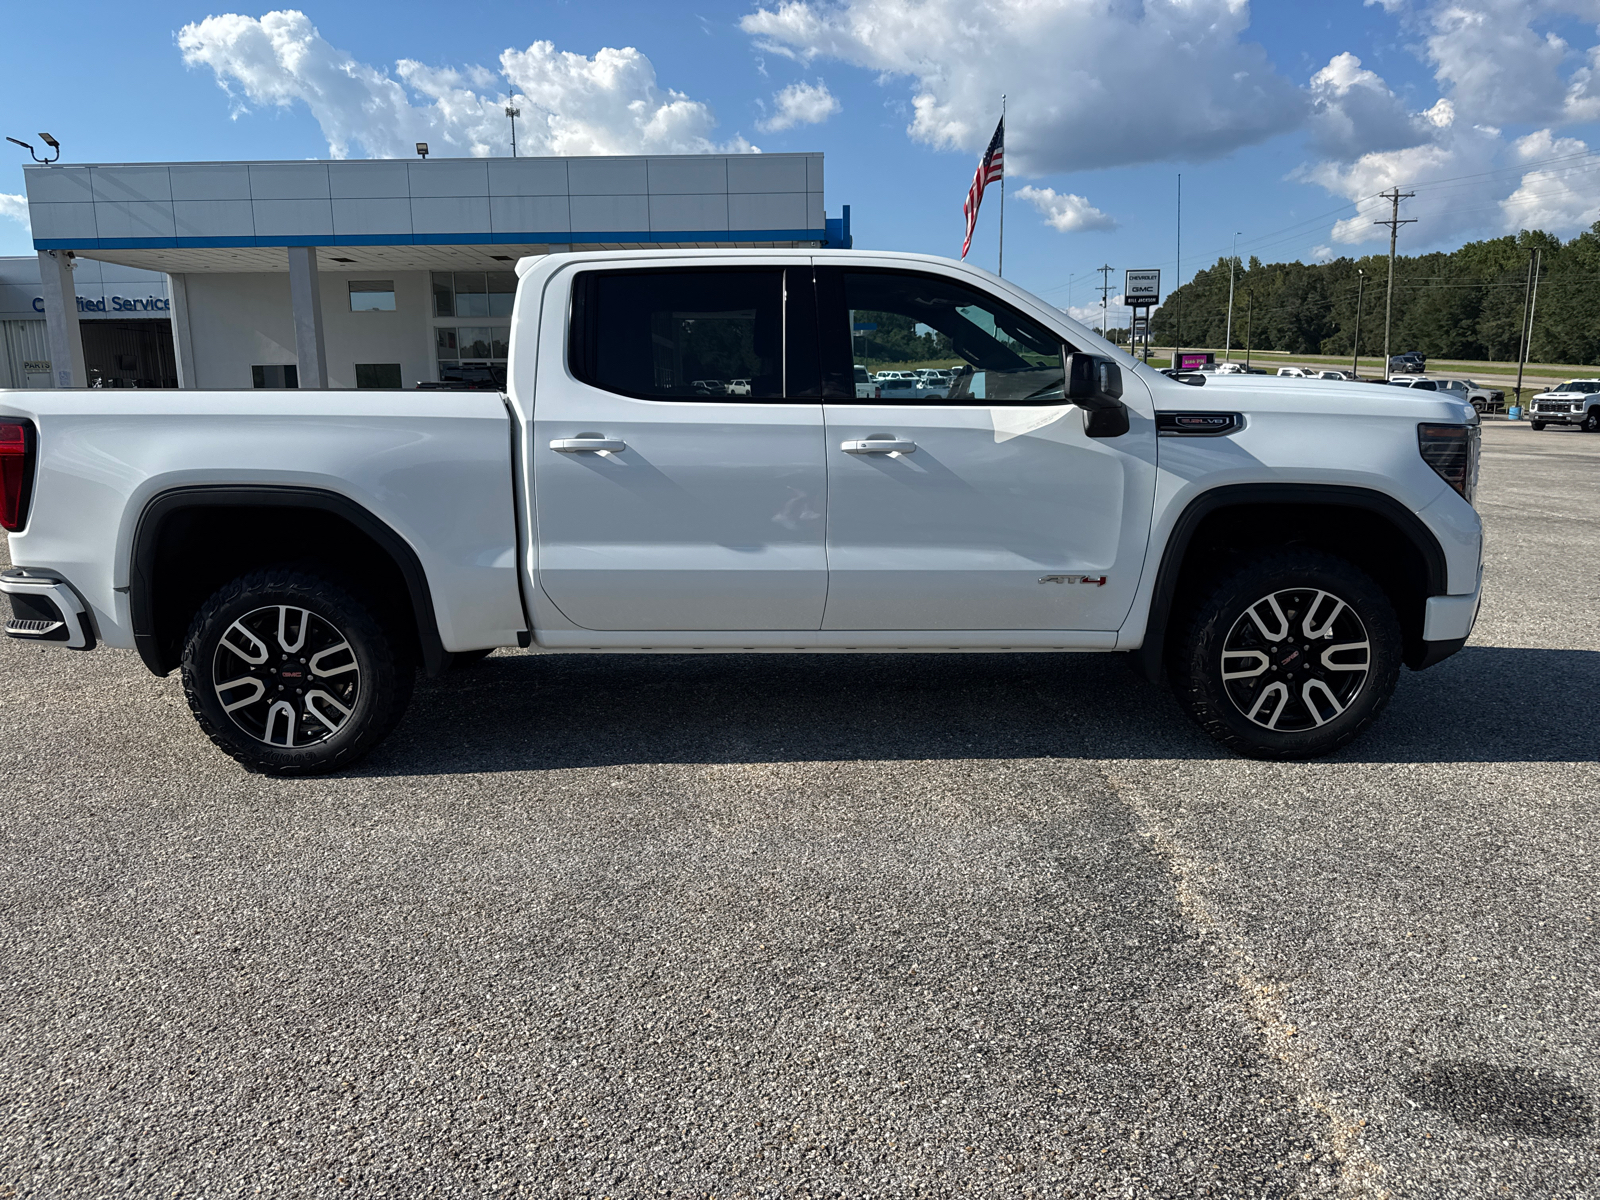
1002	271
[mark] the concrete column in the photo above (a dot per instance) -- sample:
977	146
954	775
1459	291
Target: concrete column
61	320
182	339
305	295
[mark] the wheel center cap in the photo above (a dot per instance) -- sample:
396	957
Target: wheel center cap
1290	656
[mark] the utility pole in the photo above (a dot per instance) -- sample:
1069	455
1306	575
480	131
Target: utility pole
1394	196
1227	338
1249	305
1355	354
1530	297
1177	336
1105	291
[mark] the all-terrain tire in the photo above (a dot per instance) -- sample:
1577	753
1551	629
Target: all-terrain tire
1591	421
289	674
1290	620
1536	426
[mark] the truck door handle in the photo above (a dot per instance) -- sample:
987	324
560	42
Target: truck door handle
878	446
579	445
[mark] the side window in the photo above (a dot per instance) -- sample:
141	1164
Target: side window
665	335
975	348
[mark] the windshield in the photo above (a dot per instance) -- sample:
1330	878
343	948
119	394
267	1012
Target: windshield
1580	385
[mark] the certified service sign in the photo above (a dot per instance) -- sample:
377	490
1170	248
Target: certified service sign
1142	289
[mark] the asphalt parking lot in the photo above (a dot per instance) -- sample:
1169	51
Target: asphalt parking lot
855	926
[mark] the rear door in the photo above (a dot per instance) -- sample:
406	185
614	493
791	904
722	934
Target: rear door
662	505
990	508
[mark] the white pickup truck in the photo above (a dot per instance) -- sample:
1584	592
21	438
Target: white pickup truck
1277	549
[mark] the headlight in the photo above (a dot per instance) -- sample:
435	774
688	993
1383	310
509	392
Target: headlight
1452	451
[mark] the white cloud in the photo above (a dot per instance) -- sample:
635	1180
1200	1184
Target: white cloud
1456	159
608	104
1322	254
1068	213
1500	69
801	104
1557	197
1354	112
15	208
1186	59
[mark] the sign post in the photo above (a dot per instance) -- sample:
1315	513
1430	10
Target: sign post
1141	290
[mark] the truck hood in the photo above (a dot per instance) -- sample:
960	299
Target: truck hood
1263	394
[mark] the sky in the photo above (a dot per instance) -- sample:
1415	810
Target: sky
1285	118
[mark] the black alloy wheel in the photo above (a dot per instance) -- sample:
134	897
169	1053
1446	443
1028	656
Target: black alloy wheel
290	674
1290	656
1591	420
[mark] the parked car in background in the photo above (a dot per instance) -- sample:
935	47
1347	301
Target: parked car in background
932	387
710	387
864	390
1231	368
907	387
1412	362
738	387
1293	373
1345	375
1482	399
1575	402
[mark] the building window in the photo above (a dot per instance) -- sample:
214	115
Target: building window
275	375
474	293
372	295
378	375
472	341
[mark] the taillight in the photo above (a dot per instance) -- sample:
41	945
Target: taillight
16	472
1452	451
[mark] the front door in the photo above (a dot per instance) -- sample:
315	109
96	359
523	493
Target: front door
676	488
980	503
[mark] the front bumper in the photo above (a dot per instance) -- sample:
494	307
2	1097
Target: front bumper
45	608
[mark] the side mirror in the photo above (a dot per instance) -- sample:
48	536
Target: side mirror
1093	382
1095	385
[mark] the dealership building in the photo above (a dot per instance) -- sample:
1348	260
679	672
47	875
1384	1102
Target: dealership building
348	273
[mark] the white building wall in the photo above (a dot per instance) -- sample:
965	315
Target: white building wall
240	321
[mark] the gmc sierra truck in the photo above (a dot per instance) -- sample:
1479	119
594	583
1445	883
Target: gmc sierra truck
1276	549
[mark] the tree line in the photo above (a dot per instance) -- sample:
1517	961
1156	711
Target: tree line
1467	303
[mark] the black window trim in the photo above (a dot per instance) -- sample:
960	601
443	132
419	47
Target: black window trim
576	297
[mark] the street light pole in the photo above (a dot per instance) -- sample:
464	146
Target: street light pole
1228	337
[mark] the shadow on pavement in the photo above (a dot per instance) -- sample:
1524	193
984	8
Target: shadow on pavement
1496	1099
541	712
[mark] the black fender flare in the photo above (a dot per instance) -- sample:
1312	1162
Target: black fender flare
146	537
1151	655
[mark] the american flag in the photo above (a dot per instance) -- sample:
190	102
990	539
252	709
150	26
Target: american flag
992	167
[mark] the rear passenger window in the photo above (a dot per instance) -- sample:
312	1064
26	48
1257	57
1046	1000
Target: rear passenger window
667	335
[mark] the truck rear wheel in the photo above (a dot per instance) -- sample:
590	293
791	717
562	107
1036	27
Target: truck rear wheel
291	675
1291	656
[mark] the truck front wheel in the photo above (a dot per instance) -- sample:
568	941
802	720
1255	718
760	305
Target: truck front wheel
1591	421
1291	656
291	675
